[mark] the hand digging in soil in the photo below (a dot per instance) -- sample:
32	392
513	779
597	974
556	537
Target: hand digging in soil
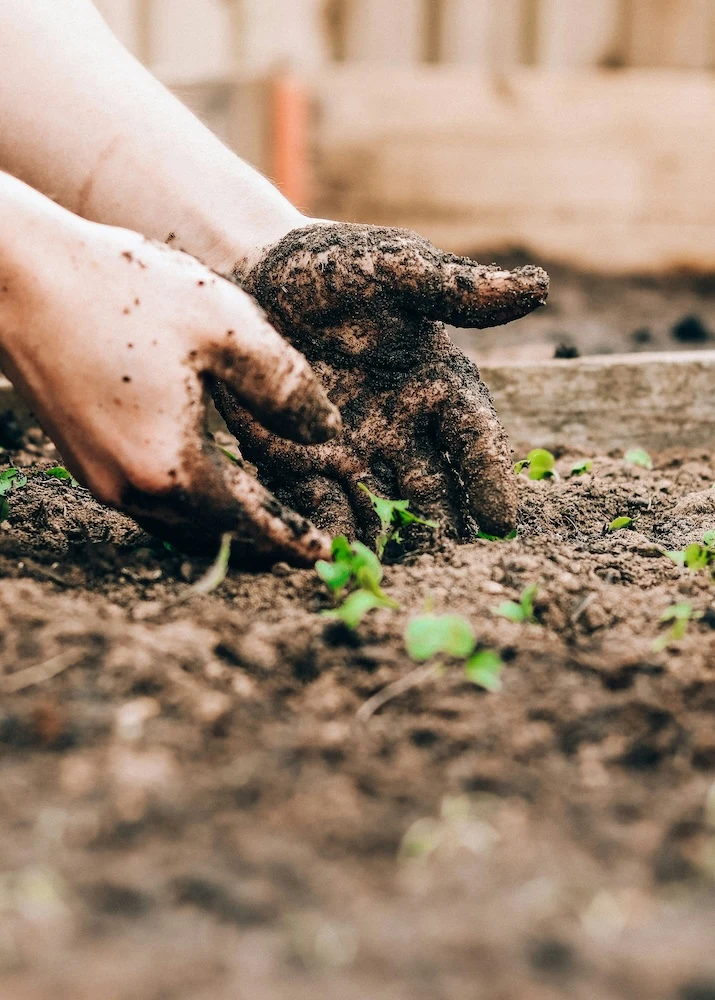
367	307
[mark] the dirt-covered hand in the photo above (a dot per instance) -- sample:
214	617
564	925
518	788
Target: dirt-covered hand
367	307
112	340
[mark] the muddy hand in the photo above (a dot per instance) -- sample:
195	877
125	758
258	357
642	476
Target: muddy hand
367	307
113	347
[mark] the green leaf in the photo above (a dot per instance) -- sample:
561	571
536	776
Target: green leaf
709	539
355	607
485	669
582	467
520	466
640	457
11	479
619	523
697	556
498	538
59	472
428	635
680	612
527	601
216	573
393	514
677	557
334	575
230	455
511	610
341	549
542	464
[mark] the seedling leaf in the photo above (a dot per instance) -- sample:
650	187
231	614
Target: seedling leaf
485	669
355	607
430	635
59	472
11	479
498	538
639	457
619	523
680	615
709	539
334	575
393	515
697	556
523	611
582	467
216	573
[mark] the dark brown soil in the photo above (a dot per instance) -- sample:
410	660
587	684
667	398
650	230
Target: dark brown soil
191	812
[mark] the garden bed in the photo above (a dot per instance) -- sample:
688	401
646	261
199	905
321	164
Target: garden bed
190	808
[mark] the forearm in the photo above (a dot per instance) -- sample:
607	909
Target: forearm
85	123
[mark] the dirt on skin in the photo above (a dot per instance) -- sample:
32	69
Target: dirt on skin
190	811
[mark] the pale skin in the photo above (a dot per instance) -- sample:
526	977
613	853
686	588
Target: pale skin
102	166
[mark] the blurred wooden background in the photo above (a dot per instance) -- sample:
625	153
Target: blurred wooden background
579	129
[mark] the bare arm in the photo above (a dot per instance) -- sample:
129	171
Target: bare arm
83	122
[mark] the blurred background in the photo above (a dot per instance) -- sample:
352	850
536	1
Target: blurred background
578	133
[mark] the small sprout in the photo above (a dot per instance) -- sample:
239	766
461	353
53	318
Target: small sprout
453	636
216	573
698	555
59	472
680	615
429	635
230	455
540	463
485	669
498	538
521	612
11	479
618	523
581	467
639	457
354	565
394	515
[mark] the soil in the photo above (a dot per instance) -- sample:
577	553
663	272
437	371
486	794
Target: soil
600	314
191	811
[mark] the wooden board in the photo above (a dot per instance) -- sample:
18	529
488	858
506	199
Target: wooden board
483	33
390	32
608	170
579	34
600	402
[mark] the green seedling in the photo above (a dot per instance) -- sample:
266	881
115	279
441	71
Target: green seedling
639	457
520	612
216	573
498	538
230	455
540	463
10	479
430	636
59	472
697	556
619	523
680	615
355	567
581	467
394	516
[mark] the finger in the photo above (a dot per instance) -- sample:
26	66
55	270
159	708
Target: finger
215	497
463	293
480	453
432	491
325	503
268	376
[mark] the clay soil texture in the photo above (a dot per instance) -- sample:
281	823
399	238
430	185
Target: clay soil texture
189	809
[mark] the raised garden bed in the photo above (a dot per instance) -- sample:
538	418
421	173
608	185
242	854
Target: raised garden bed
191	809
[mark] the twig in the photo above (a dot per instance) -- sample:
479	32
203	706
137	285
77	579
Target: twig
415	677
41	672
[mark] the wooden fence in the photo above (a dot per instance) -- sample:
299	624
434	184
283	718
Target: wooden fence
579	129
198	39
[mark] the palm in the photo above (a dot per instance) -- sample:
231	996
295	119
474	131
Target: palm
366	305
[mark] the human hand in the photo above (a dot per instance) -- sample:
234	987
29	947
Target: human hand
367	307
111	340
